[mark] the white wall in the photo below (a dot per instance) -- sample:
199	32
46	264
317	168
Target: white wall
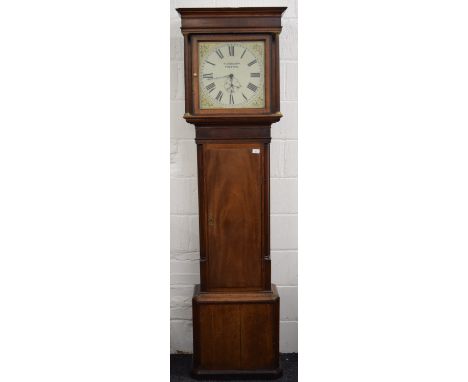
184	204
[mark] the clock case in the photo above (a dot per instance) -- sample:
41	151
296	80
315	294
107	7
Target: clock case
235	307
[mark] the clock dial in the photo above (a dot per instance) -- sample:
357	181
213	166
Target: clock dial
231	74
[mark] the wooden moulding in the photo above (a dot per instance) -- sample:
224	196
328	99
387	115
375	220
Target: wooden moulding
232	297
229	120
245	19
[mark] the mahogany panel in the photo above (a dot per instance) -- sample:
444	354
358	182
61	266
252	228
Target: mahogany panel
234	196
220	337
257	327
225	132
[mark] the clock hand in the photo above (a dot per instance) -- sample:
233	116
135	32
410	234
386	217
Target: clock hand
227	75
235	82
216	78
233	85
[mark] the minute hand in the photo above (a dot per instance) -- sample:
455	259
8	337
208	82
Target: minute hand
216	78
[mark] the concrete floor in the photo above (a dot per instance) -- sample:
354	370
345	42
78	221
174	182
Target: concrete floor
181	363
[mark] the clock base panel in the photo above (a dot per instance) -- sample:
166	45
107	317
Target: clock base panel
236	334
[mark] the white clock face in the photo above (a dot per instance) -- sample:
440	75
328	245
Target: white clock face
231	74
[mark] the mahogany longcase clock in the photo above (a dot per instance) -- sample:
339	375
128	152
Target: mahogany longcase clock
232	97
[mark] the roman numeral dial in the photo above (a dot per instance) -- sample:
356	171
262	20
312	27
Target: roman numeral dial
252	87
231	74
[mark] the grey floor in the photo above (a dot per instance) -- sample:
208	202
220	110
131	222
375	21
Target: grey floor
181	363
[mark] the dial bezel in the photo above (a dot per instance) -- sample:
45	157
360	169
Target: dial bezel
226	39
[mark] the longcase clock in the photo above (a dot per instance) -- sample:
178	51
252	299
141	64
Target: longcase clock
231	61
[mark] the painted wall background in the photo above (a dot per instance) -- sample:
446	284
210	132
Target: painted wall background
184	203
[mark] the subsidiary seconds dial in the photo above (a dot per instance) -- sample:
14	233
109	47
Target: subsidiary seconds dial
232	75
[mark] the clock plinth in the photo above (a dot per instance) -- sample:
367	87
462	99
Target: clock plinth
231	60
236	334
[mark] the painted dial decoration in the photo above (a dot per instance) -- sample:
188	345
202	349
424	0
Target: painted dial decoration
231	74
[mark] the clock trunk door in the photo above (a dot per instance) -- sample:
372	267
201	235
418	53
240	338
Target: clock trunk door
233	187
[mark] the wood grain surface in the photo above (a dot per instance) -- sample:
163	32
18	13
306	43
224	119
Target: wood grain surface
233	185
